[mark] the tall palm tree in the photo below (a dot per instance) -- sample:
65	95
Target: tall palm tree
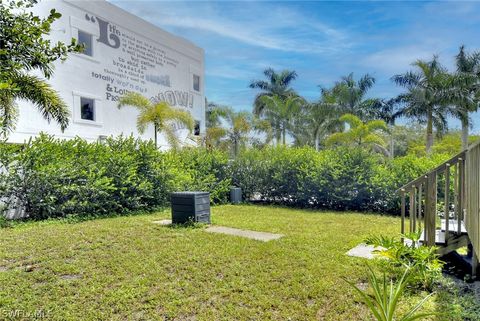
361	134
425	97
280	112
276	83
31	88
324	117
160	114
351	94
466	89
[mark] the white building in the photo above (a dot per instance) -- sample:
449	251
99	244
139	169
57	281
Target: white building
123	53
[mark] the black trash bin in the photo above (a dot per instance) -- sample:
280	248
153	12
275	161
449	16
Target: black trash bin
190	206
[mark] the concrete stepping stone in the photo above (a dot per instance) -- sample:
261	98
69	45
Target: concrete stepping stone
163	222
254	235
363	250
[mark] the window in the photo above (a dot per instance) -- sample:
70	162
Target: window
196	82
196	129
85	39
87	108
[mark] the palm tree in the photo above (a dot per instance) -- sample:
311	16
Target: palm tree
160	114
276	84
324	117
280	112
239	128
361	134
388	110
465	92
215	132
35	90
425	98
350	94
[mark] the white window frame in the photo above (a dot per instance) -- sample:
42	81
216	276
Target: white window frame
97	110
199	83
87	27
194	70
92	49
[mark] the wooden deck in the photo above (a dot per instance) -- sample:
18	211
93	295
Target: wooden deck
453	226
440	234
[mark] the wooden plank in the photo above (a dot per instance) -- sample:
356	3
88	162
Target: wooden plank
402	229
431	209
453	226
461	191
419	205
447	199
455	191
411	211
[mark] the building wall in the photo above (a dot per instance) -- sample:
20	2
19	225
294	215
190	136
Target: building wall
128	54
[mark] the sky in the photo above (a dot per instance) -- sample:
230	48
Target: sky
321	40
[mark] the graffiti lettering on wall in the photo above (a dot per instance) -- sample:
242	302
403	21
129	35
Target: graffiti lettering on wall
107	32
175	98
138	63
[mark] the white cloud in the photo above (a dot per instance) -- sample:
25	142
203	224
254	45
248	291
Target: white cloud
281	29
396	60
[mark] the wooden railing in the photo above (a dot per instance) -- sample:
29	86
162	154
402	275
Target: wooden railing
460	176
422	196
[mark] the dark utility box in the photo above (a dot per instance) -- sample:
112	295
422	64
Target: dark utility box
235	195
190	206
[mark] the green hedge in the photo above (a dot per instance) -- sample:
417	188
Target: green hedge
56	178
53	178
341	178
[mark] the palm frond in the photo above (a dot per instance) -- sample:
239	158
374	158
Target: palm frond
43	96
136	100
8	113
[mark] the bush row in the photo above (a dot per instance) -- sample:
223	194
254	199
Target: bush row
341	178
53	178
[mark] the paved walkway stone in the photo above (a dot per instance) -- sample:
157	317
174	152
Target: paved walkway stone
363	250
254	235
163	222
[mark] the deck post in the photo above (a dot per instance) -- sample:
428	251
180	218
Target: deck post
402	228
431	209
461	193
419	205
411	212
455	191
447	200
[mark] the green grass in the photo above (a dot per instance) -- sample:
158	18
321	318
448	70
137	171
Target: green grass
126	268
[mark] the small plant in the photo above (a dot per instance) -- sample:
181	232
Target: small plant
4	222
422	261
386	296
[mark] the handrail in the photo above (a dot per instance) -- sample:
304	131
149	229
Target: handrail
439	168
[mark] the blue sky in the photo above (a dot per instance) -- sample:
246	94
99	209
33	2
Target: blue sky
320	40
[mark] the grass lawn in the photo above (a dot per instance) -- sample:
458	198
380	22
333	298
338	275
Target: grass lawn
126	268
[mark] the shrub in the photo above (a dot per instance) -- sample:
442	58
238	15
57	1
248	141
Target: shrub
340	178
56	178
198	169
423	261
